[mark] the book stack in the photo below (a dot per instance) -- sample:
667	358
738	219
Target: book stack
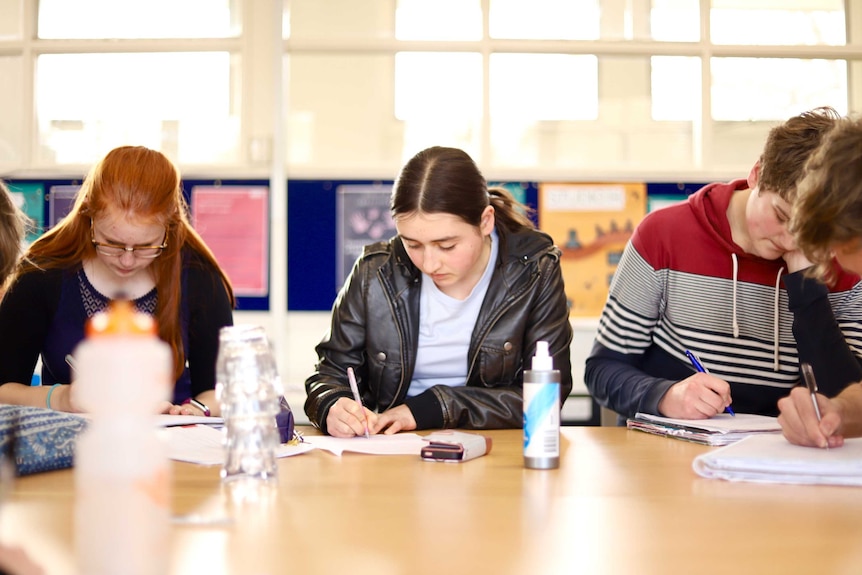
721	429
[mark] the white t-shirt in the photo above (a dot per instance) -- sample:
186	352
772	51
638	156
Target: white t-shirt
445	327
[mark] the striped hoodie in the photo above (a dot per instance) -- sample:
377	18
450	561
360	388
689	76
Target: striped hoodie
682	283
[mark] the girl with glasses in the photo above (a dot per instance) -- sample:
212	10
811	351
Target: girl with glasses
127	235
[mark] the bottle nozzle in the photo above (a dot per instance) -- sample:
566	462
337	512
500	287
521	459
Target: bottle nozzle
121	318
542	361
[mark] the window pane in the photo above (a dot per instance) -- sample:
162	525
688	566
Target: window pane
439	98
10	19
775	88
620	136
545	19
137	19
438	20
736	146
342	19
676	88
543	87
179	103
11	117
766	22
339	111
351	112
675	21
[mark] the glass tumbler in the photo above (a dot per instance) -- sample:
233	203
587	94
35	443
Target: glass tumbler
248	389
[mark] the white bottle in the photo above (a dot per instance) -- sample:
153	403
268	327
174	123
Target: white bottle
542	412
122	473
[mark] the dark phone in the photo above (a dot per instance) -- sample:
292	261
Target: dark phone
442	452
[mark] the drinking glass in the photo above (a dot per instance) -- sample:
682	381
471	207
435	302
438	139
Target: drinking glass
248	389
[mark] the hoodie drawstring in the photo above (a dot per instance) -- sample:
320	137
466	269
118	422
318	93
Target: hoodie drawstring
735	274
775	324
775	310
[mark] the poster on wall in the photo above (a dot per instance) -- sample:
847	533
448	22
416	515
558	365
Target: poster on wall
30	199
60	202
591	224
362	218
658	202
234	223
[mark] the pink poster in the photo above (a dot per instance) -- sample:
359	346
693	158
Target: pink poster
233	221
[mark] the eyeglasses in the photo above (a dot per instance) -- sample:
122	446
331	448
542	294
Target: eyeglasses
116	250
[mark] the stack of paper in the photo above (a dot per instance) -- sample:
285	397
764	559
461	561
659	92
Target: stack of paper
721	429
772	459
204	445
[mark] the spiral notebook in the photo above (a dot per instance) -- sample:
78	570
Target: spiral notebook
771	458
721	429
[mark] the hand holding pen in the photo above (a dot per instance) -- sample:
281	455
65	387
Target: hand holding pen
697	396
811	384
695	361
357	398
809	420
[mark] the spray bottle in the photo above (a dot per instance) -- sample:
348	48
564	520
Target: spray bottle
542	412
122	473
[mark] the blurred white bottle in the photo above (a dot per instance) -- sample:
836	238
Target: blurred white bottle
122	473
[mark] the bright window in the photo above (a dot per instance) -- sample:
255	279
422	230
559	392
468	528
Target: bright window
543	87
675	20
676	88
438	20
177	102
138	19
745	89
766	22
438	96
545	19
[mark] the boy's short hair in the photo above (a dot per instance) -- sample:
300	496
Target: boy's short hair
788	146
828	207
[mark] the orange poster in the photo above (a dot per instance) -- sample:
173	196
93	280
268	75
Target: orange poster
591	224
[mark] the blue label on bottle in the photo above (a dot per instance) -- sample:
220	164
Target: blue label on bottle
537	411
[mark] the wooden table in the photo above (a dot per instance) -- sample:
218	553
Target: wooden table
621	502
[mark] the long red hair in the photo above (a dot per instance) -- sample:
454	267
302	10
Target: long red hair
142	184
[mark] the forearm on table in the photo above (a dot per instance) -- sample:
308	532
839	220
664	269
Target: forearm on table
35	396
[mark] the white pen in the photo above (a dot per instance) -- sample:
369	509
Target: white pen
71	361
811	383
357	398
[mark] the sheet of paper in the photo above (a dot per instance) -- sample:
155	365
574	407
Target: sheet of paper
163	420
768	458
721	423
398	444
202	444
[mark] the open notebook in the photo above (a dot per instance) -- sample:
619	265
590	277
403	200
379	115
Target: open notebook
772	459
721	429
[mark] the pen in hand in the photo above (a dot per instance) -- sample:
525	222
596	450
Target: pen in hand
699	367
811	383
357	398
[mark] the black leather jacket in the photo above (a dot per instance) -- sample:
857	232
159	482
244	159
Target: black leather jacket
375	329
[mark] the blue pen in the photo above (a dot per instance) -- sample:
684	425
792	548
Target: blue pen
699	367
